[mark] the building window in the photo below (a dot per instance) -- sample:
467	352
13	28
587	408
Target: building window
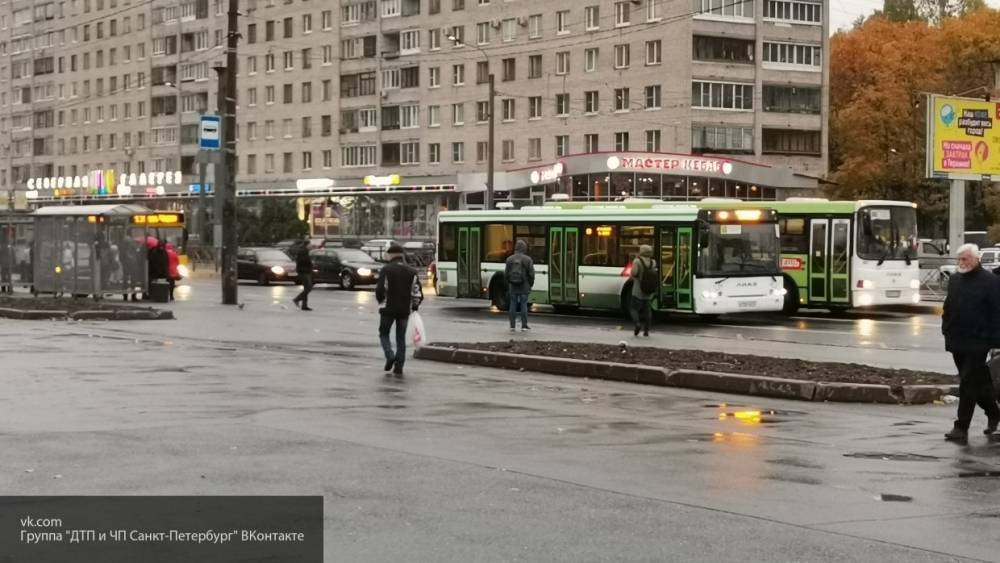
358	155
458	153
269	163
507	151
409	42
482	72
653	10
482	112
562	62
327	158
326	19
562	105
622	56
509	70
535	66
591	102
653	97
458	114
482	151
509	109
621	141
409	117
721	140
562	22
622	101
307	160
792	55
434	39
534	26
653	140
410	152
591	142
795	12
390	79
434	153
792	142
434	77
590	57
725	8
723	49
458	75
534	107
654	52
623	14
534	149
792	99
592	18
509	30
482	33
433	116
722	95
251	164
562	145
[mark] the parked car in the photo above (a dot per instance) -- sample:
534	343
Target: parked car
376	248
266	265
348	267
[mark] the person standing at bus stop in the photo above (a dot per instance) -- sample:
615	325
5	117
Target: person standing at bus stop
971	327
520	274
645	281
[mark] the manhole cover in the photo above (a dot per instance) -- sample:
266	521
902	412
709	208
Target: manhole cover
892	456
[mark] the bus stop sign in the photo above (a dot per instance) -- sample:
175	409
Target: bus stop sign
210	133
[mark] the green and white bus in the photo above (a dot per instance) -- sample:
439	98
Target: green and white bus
839	254
711	260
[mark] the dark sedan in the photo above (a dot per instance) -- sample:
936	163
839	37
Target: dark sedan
266	265
348	267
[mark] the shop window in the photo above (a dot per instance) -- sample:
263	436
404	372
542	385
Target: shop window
600	247
447	245
534	237
630	239
498	242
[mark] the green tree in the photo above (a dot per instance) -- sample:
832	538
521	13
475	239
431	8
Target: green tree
269	221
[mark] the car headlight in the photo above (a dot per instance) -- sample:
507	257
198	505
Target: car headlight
182	271
277	270
364	272
914	284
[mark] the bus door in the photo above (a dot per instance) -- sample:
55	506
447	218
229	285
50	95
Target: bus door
668	267
564	248
470	283
684	280
829	261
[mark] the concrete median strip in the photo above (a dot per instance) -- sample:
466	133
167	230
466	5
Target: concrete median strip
703	380
97	314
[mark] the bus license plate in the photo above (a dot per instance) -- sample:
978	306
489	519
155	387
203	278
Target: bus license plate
747	304
892	294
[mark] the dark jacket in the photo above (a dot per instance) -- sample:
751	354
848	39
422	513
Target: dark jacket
158	263
303	261
971	320
520	256
398	289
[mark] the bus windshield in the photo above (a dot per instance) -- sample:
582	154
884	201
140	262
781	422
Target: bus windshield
740	249
887	233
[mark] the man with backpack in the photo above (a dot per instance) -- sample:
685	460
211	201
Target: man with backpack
520	275
645	283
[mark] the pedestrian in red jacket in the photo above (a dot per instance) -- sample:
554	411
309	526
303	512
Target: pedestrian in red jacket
172	262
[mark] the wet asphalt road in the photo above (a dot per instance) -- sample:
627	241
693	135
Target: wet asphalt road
454	463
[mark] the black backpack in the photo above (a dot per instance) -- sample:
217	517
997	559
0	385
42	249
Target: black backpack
649	281
517	273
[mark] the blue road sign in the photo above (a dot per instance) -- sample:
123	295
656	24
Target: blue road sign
210	133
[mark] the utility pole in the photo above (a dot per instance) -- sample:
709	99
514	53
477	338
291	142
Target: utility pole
228	192
490	149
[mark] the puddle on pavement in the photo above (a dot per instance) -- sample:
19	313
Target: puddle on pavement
972	474
391	406
892	456
884	497
794	479
794	462
757	416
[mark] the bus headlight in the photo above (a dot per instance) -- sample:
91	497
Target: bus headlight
914	284
182	271
780	292
711	294
866	284
277	270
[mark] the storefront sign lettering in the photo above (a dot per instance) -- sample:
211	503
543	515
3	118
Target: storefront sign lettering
683	164
546	175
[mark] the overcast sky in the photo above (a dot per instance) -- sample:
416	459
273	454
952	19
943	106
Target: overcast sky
844	12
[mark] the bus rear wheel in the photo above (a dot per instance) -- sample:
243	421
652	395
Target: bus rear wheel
499	297
791	305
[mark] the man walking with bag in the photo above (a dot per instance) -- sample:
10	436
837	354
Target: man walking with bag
645	282
520	274
971	327
398	293
304	271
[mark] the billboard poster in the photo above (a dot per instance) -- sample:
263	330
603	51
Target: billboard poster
963	139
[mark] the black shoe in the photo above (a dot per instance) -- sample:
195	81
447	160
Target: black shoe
398	371
991	426
957	435
645	332
636	331
306	308
389	364
296	301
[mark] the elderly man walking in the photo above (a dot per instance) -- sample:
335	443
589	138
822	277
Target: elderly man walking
971	327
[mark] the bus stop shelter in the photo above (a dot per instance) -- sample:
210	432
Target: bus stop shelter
90	249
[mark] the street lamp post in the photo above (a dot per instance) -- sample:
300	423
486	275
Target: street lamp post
492	126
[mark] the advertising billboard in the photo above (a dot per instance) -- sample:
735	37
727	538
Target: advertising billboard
963	139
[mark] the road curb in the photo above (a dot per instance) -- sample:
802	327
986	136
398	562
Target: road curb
109	315
692	379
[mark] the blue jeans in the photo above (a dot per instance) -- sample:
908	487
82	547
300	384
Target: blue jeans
383	335
518	303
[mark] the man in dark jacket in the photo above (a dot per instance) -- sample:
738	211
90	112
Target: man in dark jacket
304	269
398	292
971	327
520	275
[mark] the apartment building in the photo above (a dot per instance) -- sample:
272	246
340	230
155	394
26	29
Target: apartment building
388	99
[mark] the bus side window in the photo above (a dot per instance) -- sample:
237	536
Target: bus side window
448	243
794	239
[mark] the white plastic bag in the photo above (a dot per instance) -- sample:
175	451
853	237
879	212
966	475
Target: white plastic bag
418	334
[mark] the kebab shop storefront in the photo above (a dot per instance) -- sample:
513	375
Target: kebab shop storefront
618	176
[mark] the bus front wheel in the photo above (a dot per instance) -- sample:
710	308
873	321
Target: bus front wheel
791	298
